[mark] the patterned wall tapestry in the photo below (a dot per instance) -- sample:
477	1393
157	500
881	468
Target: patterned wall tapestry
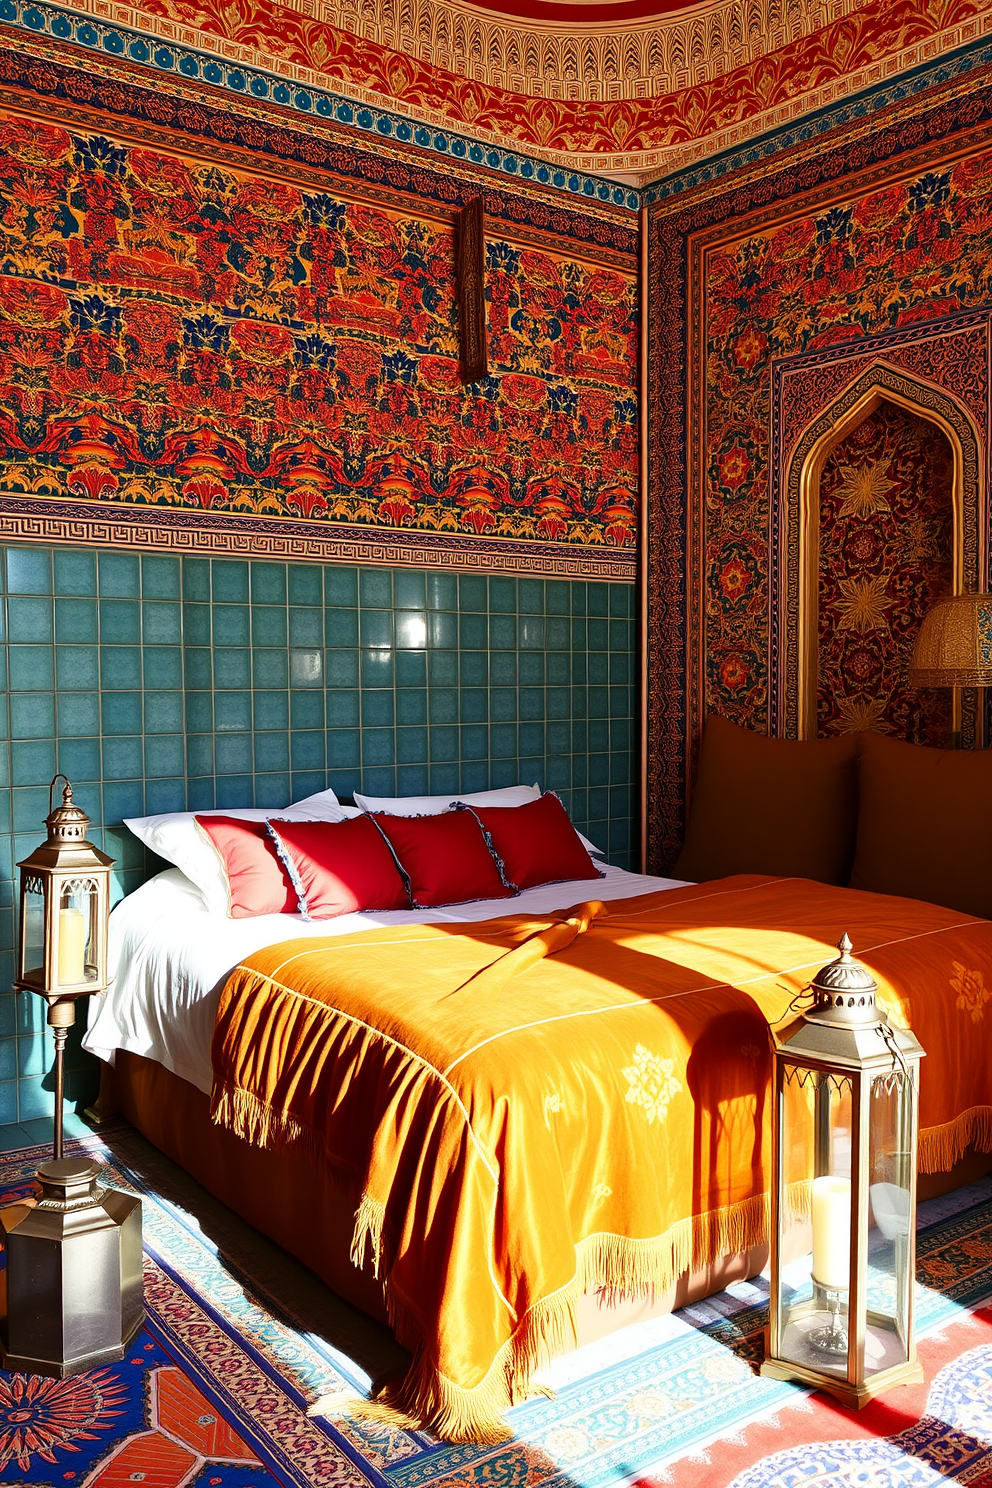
886	534
842	259
277	361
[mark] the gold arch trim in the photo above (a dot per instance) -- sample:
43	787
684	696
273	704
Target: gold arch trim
878	384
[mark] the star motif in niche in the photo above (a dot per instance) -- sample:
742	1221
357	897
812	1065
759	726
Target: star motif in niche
860	714
864	488
918	541
864	604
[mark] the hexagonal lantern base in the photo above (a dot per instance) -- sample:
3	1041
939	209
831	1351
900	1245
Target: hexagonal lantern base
74	1297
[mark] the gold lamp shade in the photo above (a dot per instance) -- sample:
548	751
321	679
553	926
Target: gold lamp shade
954	646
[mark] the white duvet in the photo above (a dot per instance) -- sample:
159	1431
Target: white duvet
170	957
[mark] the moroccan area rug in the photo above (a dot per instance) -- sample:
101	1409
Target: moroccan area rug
220	1387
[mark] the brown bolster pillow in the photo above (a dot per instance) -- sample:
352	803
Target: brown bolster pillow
925	824
766	805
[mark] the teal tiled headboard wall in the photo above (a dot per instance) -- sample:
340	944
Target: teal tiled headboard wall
161	683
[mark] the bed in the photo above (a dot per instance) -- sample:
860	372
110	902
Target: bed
519	1077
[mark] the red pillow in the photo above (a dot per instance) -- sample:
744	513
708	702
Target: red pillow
445	857
339	867
257	881
535	843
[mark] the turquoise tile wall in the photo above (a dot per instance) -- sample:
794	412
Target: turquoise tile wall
164	683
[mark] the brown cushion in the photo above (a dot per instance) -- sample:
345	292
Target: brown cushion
771	806
925	824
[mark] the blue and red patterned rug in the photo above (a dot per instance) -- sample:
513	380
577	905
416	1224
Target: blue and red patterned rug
219	1387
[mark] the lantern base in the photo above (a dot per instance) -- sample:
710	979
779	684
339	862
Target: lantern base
73	1277
855	1397
65	1368
833	1338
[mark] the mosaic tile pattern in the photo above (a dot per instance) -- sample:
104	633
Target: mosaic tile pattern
168	683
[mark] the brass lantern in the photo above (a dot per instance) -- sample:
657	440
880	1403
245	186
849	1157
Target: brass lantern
65	900
73	1275
843	1211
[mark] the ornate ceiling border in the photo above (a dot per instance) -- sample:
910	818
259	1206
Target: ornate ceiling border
120	31
921	69
62	79
106	39
574	100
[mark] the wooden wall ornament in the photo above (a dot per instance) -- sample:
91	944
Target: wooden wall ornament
473	352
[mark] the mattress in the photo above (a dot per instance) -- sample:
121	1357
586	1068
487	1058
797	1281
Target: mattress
169	958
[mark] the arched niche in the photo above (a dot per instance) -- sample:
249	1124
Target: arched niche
879	385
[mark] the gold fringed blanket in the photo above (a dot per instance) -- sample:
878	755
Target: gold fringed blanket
534	1107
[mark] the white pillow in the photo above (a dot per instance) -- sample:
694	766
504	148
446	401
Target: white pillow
510	795
324	806
175	836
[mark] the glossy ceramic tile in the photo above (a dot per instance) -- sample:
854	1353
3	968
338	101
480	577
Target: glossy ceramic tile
162	684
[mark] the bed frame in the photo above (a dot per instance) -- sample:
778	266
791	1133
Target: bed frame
288	1197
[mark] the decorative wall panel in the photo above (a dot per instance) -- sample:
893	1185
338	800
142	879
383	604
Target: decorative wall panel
194	354
787	287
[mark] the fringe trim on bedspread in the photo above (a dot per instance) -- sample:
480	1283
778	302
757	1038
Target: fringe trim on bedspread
942	1146
254	1121
369	1218
622	1267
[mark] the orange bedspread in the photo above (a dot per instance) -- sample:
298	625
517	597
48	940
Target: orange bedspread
534	1107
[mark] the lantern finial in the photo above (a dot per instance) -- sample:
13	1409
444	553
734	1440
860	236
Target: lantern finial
844	990
65	823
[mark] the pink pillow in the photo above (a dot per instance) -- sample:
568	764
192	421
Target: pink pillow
445	857
535	843
258	883
339	868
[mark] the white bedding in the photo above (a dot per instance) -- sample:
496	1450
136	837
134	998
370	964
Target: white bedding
170	957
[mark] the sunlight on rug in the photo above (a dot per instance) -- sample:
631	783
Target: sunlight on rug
222	1386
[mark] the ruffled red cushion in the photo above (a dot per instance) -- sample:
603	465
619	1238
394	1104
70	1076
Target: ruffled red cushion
444	857
535	843
339	867
257	881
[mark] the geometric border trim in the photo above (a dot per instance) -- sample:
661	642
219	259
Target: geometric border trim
34	520
39	18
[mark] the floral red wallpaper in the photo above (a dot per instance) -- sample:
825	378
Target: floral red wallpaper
886	535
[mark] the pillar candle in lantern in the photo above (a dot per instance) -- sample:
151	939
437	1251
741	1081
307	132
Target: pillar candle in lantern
832	1232
73	928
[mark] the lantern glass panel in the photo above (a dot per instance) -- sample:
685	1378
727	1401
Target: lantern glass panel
815	1219
76	933
33	929
890	1167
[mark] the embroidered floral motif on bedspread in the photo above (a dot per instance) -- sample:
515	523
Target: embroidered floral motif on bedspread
652	1083
972	991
